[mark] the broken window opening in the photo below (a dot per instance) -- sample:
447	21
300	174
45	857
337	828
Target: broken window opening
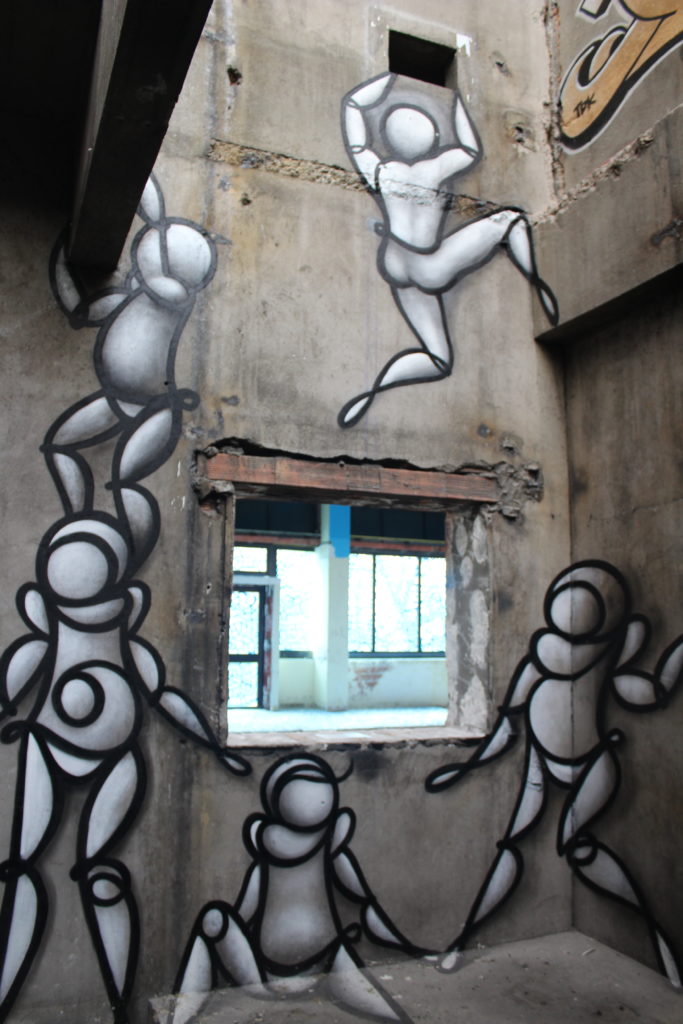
354	608
332	675
421	59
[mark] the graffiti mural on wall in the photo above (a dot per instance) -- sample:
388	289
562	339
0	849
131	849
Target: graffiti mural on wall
560	692
605	72
285	924
408	154
88	670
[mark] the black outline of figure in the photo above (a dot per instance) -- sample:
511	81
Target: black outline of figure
303	831
412	185
83	661
596	64
591	645
140	326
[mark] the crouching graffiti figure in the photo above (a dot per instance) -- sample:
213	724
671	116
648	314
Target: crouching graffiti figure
285	925
561	690
83	663
409	165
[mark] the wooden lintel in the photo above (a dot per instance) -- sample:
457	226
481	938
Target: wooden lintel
280	476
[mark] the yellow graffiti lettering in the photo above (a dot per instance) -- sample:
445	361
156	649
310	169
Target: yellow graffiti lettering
609	67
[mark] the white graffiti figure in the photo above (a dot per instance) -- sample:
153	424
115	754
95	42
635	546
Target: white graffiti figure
412	185
140	326
83	663
586	655
285	926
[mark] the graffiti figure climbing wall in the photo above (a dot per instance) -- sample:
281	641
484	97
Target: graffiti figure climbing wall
611	66
584	658
409	153
285	925
82	673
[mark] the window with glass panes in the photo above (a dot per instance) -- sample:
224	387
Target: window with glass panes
397	604
396	594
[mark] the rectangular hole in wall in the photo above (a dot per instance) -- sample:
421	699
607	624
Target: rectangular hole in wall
421	59
337	618
318	536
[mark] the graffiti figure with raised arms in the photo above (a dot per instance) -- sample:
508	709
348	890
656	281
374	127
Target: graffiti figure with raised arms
398	150
285	926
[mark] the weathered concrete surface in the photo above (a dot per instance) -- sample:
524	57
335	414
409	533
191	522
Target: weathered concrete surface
625	409
307	58
563	979
618	229
297	320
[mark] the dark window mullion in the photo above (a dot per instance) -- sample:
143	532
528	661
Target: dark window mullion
374	599
419	605
261	644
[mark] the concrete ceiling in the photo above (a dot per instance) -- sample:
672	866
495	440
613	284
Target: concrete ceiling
87	88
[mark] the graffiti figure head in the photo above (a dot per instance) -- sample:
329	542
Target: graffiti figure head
82	559
410	133
173	258
301	793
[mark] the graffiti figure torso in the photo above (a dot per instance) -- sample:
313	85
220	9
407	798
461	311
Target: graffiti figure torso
285	925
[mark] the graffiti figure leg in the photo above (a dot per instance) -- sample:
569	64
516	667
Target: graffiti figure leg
419	280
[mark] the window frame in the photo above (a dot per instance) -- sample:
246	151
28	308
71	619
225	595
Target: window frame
465	497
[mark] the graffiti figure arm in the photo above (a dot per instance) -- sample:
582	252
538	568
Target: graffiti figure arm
350	880
81	310
355	127
148	670
26	660
501	738
460	157
492	746
637	690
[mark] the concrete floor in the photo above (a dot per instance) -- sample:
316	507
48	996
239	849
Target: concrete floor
558	979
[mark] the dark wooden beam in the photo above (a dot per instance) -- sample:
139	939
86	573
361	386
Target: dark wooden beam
143	54
339	483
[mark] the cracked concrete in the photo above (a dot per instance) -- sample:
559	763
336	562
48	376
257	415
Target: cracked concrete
248	158
568	978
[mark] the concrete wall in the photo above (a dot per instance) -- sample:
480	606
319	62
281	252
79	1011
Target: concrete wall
618	201
296	321
624	412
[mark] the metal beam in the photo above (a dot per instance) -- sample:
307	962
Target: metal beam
143	54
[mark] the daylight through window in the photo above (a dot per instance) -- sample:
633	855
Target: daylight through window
336	608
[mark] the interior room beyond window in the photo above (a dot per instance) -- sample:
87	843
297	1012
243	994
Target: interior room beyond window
323	620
